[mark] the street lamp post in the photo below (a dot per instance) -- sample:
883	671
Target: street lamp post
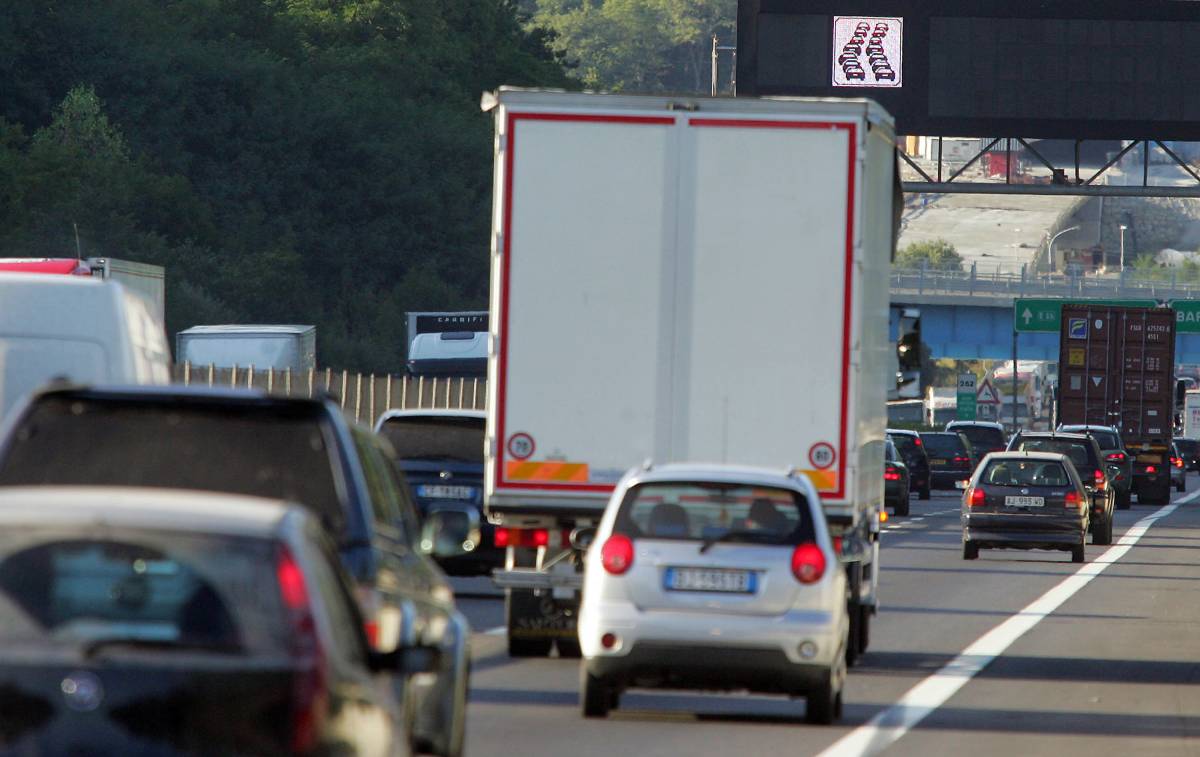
1050	249
1123	227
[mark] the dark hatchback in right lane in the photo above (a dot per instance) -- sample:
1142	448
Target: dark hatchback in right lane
1025	500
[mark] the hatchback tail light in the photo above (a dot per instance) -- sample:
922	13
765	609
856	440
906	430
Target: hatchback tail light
961	459
1177	462
617	554
1151	469
310	702
891	474
1116	457
1098	477
1072	499
808	563
976	497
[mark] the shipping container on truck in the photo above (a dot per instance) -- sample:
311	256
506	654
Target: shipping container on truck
682	279
1117	368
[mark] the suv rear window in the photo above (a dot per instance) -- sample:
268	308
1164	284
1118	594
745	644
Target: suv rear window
60	587
1077	451
943	445
982	437
1106	439
717	512
430	438
1025	473
278	452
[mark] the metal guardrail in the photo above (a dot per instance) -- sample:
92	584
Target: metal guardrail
1005	285
362	397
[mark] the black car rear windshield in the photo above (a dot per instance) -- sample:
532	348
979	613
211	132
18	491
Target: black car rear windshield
906	445
1025	473
717	512
436	438
1187	446
1106	439
266	451
943	445
983	437
1077	451
64	588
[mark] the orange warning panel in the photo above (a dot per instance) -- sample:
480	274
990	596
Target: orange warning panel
546	471
824	480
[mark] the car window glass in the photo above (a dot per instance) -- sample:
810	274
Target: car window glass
278	452
1025	473
404	498
943	445
199	591
1077	451
379	486
436	438
345	623
722	512
984	437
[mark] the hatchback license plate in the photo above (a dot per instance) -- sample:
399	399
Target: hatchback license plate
1025	501
441	491
709	579
937	462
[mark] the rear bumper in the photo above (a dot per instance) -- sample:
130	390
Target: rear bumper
946	479
694	666
1023	532
918	480
893	491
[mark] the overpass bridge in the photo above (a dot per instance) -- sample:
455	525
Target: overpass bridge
968	316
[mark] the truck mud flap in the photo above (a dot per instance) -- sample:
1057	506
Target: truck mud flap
541	616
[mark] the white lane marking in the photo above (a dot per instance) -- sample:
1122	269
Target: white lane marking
497	631
921	700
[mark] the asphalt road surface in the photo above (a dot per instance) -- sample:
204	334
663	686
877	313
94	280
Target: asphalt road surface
1016	653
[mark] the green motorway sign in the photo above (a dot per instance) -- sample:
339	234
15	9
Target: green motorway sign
1046	314
1187	316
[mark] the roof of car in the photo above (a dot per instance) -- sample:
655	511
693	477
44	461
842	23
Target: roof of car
904	431
1069	427
418	412
981	424
1064	435
181	392
992	456
718	473
100	507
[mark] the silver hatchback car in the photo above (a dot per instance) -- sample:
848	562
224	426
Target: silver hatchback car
714	577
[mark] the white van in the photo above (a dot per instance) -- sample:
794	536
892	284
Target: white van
81	329
449	353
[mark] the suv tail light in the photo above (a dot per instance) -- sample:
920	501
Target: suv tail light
977	497
917	440
1116	457
1072	499
891	474
310	701
1151	469
808	563
1098	477
961	459
617	554
1177	462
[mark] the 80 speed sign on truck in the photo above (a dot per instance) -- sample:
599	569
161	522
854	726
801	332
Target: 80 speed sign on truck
678	279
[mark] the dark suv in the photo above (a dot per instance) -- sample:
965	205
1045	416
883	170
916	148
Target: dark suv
984	437
950	458
1084	454
298	450
912	451
1189	449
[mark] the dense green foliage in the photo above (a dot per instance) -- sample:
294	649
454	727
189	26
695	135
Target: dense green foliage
640	45
937	254
318	161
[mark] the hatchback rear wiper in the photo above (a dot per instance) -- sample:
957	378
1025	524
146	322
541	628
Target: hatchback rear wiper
92	647
736	535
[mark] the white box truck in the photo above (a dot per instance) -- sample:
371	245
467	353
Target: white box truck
278	346
1191	414
682	279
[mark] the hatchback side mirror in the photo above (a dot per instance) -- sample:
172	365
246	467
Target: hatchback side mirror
582	538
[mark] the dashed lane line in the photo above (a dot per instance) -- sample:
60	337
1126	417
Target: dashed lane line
921	700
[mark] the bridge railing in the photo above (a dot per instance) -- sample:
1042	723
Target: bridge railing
363	397
1008	284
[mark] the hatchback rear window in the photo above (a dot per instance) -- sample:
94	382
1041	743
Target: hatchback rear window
1106	439
1076	451
1025	473
716	512
436	438
276	452
185	590
983	437
943	445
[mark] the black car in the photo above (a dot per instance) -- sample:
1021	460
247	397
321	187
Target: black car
950	458
1117	461
912	451
1189	450
441	454
984	436
896	492
1178	469
1025	500
246	442
227	627
1085	455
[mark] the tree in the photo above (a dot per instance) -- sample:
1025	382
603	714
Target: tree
937	254
638	45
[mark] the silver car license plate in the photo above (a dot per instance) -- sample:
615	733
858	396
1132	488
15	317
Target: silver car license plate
1025	501
709	579
440	491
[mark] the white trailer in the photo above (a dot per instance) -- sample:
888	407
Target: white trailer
1191	414
682	279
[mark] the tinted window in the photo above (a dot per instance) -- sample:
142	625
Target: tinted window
379	485
907	446
983	437
328	580
1106	439
1077	451
722	512
943	445
889	452
1025	473
179	589
436	438
275	452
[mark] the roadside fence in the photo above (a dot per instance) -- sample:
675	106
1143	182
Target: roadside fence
362	397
